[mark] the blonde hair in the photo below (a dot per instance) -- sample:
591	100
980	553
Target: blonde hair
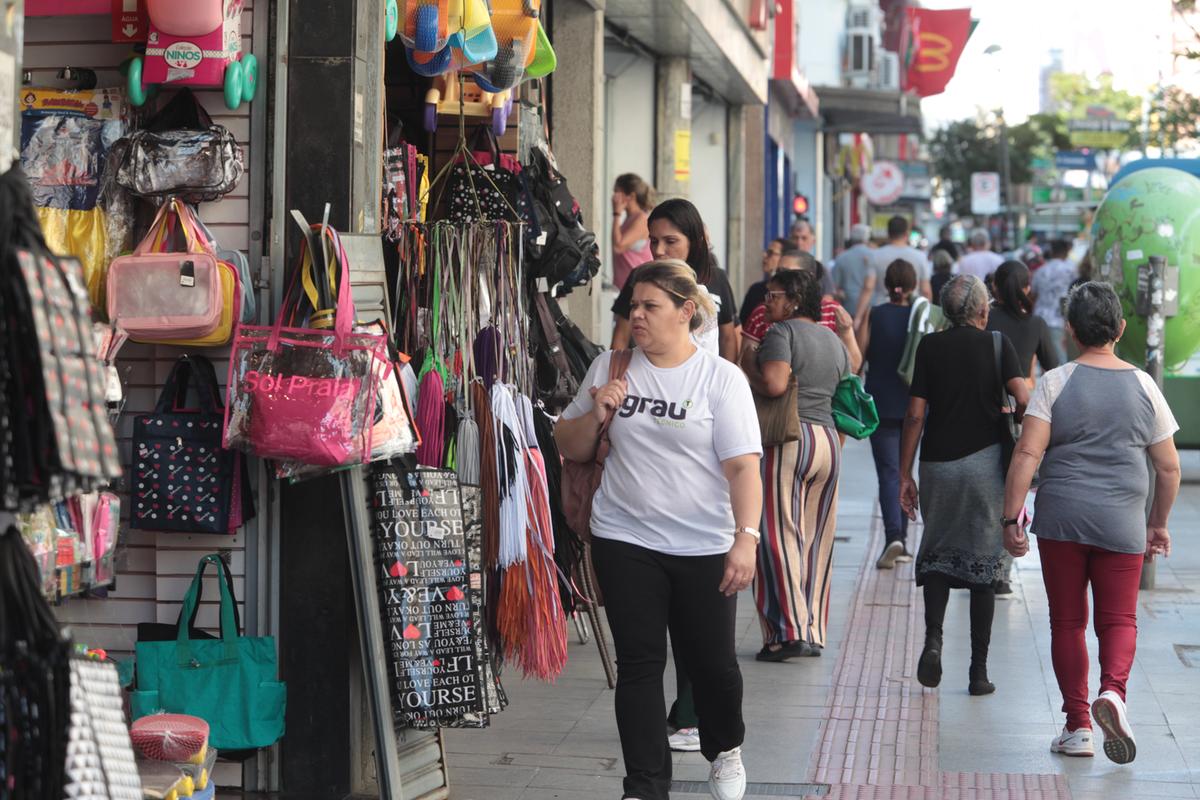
678	280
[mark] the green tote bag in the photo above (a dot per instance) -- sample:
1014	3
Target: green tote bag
231	682
854	411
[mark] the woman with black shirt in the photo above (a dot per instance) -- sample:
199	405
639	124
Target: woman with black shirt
1012	314
955	384
677	231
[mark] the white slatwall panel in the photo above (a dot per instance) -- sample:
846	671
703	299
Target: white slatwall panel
155	569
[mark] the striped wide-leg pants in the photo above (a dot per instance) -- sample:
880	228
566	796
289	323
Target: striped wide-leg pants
795	559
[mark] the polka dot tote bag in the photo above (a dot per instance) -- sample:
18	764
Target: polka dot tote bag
182	480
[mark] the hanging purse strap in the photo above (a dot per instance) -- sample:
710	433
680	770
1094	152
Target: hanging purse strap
553	339
617	368
226	576
191	602
190	371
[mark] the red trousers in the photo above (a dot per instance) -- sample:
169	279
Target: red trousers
1067	568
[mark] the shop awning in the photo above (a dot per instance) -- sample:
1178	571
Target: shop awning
724	52
847	110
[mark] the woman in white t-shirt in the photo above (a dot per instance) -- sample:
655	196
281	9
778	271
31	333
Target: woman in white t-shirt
674	524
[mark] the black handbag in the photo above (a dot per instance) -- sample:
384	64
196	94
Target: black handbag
481	189
183	480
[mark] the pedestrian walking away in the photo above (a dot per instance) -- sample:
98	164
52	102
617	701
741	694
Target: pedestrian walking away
1050	286
853	267
1091	425
801	477
897	247
674	525
1012	314
677	232
943	271
979	260
882	339
632	202
957	383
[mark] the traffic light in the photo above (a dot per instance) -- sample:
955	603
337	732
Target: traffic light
799	205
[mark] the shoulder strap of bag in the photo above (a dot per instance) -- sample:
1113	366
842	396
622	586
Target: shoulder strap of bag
229	631
997	349
187	372
225	575
617	368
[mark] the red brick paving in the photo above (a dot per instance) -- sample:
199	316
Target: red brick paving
879	738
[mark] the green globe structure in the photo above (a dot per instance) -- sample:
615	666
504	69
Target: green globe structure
1152	212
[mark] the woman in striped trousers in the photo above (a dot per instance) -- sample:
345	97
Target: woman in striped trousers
800	478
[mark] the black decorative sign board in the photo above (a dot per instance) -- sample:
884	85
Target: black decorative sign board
422	571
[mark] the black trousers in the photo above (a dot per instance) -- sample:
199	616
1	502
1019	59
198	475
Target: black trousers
983	611
647	593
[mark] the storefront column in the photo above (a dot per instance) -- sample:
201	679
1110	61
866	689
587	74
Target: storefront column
742	269
331	155
750	138
673	128
12	15
577	129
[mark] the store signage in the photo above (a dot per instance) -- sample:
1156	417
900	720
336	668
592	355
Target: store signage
1075	159
883	184
683	155
1099	129
426	602
130	23
985	193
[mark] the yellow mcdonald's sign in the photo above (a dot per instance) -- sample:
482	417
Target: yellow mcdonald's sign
934	53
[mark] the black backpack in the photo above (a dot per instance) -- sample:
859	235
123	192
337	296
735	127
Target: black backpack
559	249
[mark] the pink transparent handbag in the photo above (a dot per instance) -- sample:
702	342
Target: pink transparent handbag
156	295
302	394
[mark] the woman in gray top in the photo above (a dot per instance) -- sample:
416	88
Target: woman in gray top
792	584
1091	522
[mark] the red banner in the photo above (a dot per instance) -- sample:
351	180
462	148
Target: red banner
938	38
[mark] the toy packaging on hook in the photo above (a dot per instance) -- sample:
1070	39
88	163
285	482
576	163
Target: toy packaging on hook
195	43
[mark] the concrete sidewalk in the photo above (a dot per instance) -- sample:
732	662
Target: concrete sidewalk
855	723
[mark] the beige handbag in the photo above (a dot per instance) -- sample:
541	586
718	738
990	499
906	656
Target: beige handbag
778	417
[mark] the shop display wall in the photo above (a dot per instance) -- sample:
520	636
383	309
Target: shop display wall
155	569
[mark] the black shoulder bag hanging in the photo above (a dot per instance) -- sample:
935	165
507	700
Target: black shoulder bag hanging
1007	433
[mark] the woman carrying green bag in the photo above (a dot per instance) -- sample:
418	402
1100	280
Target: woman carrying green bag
231	683
798	358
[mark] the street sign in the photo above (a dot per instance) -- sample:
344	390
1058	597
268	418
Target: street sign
1102	132
1075	159
883	184
985	193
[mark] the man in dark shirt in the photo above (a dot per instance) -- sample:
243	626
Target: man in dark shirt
946	244
757	293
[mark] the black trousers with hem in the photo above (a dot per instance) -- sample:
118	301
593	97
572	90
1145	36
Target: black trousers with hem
647	594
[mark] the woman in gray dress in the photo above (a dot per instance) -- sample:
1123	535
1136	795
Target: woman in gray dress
1091	522
954	411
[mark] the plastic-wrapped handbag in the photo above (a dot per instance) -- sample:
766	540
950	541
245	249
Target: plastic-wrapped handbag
180	152
188	298
308	393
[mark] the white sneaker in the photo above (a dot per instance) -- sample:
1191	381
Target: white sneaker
890	553
685	740
1074	743
727	780
1109	712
